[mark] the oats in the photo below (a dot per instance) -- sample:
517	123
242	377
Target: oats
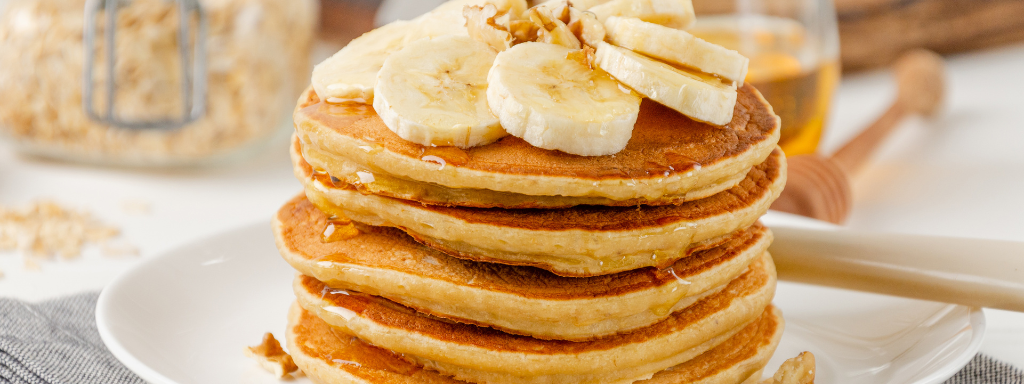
32	265
114	249
258	60
45	229
136	207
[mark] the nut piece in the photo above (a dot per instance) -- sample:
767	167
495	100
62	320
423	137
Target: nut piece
524	30
272	357
798	370
586	27
583	56
553	30
482	27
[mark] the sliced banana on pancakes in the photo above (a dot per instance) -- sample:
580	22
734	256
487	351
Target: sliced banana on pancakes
351	73
676	47
700	96
432	92
545	89
555	103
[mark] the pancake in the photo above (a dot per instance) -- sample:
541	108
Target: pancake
347	172
668	156
480	354
579	241
329	355
521	300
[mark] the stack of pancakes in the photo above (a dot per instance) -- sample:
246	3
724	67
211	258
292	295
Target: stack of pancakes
508	263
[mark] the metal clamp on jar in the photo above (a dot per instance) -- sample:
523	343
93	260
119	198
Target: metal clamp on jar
151	82
193	79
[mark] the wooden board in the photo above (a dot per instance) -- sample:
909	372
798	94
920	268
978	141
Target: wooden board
874	32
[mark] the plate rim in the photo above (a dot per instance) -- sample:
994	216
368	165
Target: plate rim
976	318
104	307
978	327
120	352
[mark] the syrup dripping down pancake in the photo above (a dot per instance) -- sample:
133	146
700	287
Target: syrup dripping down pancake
481	354
523	300
578	241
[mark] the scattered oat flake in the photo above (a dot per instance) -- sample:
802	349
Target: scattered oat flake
32	265
136	207
272	357
117	249
45	229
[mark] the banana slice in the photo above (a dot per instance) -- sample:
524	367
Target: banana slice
676	47
433	92
699	96
351	72
670	13
557	103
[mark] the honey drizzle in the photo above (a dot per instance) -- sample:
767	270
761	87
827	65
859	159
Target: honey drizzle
325	178
338	228
669	220
358	355
444	156
671	163
678	294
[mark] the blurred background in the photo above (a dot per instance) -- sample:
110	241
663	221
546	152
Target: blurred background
143	143
224	94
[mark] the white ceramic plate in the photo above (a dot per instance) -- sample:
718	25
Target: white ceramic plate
185	316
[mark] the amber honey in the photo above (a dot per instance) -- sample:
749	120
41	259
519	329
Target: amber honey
790	74
802	102
338	228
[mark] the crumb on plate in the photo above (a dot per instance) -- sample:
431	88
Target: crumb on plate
272	357
798	370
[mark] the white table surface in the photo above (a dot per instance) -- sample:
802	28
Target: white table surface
961	174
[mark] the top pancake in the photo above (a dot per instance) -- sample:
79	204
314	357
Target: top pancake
668	154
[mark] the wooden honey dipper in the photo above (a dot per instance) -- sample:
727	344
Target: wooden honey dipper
819	187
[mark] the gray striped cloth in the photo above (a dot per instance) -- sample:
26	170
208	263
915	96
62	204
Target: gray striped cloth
56	342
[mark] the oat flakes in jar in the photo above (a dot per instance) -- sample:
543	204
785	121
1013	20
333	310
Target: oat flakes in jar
228	89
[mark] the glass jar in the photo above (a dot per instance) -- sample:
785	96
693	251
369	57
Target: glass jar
249	61
793	46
